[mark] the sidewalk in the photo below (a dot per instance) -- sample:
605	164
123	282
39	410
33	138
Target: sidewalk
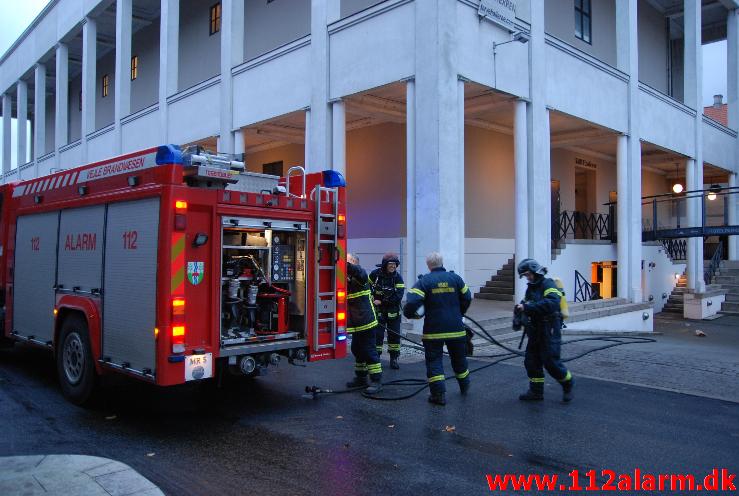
71	475
677	361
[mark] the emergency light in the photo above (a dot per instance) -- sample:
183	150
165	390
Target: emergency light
333	179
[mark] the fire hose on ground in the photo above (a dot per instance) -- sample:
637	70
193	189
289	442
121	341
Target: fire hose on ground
422	384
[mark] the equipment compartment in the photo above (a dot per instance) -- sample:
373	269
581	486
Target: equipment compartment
263	285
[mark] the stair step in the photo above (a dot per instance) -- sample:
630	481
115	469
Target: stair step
497	291
730	307
494	296
730	264
728	272
499	284
732	297
726	279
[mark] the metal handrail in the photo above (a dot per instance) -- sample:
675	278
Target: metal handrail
710	271
676	249
583	289
300	169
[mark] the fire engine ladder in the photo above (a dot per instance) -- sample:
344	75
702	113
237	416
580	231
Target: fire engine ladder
326	241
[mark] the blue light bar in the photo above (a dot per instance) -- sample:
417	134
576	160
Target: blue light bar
341	337
333	179
169	154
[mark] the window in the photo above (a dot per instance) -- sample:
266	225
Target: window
273	168
106	85
583	21
215	18
134	67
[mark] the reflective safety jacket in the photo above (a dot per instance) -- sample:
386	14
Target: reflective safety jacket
388	287
359	304
541	305
445	298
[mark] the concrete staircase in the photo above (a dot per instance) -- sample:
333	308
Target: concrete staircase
675	302
728	278
501	286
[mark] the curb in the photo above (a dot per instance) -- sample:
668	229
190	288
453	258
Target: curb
72	475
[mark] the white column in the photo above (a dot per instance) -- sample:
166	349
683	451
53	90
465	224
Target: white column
22	122
333	10
732	52
520	161
238	140
733	204
7	114
461	231
122	87
338	136
439	170
169	39
693	95
691	209
61	133
39	113
539	171
319	146
732	56
410	191
627	60
232	53
89	78
306	147
622	213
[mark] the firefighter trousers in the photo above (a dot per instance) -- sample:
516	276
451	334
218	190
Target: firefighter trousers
367	361
393	333
542	352
457	348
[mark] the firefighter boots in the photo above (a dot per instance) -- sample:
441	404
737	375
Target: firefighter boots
567	390
357	382
464	387
437	399
374	388
535	392
394	362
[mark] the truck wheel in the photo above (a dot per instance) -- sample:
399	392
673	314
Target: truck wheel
74	361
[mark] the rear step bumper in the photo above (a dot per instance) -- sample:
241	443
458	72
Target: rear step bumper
249	349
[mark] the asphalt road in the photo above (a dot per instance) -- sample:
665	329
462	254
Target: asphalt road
264	437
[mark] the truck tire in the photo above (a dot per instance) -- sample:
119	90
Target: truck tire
74	361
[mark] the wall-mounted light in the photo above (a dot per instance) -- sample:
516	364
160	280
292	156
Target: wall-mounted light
645	316
713	190
677	188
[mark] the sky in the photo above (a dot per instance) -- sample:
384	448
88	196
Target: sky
15	16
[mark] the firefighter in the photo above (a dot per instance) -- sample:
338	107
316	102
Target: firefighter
387	291
362	323
541	306
444	298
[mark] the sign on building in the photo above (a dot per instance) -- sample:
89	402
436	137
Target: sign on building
501	12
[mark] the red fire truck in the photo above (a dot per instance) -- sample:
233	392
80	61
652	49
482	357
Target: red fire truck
172	266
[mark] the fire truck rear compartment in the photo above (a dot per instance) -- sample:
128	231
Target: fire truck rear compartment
263	293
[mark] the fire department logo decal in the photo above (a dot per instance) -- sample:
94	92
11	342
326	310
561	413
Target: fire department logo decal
195	272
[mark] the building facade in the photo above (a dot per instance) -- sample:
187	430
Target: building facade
487	139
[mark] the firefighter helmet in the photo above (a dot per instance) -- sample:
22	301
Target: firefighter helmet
530	265
390	257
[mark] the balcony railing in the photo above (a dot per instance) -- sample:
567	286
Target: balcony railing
581	225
